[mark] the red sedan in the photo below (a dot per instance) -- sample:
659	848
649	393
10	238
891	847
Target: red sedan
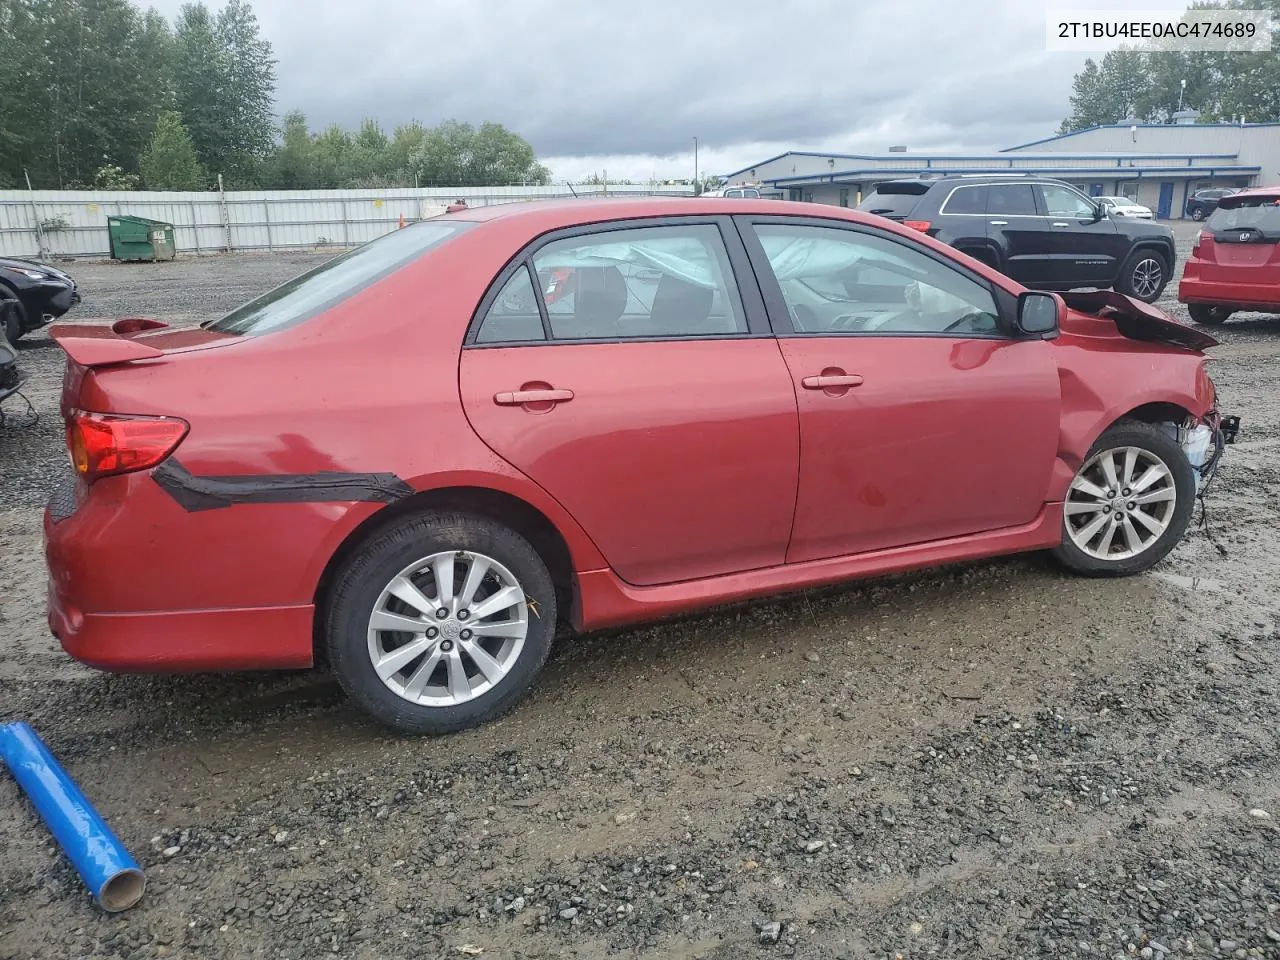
422	455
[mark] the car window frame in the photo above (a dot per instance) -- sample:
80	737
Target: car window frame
1043	201
741	276
943	211
1036	200
776	305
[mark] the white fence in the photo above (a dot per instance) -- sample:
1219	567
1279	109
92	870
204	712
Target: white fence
75	221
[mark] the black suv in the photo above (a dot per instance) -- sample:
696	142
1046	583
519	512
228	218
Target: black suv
1203	202
1043	233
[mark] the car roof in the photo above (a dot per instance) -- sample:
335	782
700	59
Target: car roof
554	214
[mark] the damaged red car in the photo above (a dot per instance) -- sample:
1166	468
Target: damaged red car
419	458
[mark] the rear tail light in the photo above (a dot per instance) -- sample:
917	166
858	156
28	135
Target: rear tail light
921	225
105	444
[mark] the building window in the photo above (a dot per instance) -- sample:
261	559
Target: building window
806	195
844	196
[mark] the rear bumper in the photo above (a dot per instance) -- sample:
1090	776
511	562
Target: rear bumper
1264	297
102	558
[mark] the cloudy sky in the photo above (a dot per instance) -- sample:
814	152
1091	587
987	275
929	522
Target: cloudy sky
597	85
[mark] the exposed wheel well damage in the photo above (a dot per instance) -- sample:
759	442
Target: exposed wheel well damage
503	508
1155	413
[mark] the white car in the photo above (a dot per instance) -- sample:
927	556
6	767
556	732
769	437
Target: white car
1124	207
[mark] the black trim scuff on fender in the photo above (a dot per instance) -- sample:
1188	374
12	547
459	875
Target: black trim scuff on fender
211	493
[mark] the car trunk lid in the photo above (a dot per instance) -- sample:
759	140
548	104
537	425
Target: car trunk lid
92	347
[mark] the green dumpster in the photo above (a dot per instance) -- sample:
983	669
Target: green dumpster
137	238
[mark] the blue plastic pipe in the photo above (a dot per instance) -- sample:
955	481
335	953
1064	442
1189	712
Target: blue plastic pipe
112	876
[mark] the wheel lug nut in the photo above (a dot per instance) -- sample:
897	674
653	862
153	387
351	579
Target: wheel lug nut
1107	508
446	646
441	613
1132	505
1127	491
464	635
463	614
432	633
1111	493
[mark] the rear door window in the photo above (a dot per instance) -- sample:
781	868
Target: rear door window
345	275
1011	200
652	282
513	316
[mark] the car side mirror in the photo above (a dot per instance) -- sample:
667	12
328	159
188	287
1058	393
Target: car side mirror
1040	314
1099	211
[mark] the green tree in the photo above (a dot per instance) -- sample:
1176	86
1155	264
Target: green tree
291	165
170	161
456	154
112	177
225	87
78	91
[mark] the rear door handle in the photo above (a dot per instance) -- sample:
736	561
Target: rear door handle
1061	224
827	381
516	398
999	223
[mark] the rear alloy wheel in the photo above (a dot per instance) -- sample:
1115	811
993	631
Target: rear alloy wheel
1206	315
441	623
1129	504
1143	276
1197	214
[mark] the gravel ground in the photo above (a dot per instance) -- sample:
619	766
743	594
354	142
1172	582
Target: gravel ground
992	760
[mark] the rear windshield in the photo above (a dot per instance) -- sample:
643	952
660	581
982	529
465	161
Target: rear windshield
1237	213
335	280
895	200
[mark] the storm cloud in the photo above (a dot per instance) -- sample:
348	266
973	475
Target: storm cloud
628	86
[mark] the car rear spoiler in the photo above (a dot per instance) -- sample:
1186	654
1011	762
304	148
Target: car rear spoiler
1137	320
104	344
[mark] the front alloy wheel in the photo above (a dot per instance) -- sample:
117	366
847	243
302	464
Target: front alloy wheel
1129	503
1120	503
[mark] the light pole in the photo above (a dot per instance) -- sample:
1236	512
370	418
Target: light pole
1181	91
696	191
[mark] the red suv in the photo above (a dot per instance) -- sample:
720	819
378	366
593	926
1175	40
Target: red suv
418	458
1235	263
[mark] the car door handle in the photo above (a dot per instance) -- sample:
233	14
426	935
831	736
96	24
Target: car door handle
517	398
827	381
1061	224
999	223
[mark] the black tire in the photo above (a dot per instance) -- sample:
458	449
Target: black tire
1136	279
1197	214
1160	444
15	315
360	585
1208	315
